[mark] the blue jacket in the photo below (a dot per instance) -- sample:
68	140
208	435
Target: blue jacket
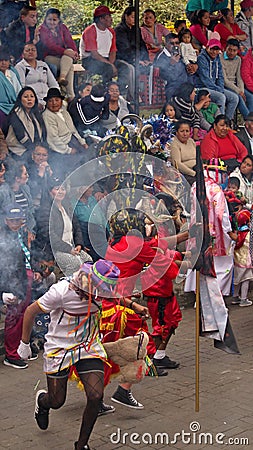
209	73
8	95
173	74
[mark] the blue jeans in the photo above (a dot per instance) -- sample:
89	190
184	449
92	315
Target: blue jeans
228	100
249	99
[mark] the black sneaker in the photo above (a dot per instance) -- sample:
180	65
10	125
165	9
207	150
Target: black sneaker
160	372
166	363
16	363
126	398
105	409
86	447
41	414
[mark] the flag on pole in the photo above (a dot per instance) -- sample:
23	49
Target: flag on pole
214	316
204	262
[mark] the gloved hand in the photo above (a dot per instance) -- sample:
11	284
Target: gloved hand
9	298
24	350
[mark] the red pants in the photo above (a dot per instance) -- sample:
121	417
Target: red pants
171	316
14	321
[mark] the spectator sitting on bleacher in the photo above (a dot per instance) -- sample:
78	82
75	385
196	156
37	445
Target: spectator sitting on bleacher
179	25
25	126
172	68
245	22
184	100
9	85
69	149
187	52
199	28
22	30
35	73
231	66
210	76
59	49
152	33
245	134
126	47
88	112
247	77
84	89
98	45
228	29
208	111
118	107
98	49
212	6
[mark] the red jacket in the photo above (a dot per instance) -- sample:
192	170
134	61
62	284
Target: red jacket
56	45
131	253
210	147
162	286
247	70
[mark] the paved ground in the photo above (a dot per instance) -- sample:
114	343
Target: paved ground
226	393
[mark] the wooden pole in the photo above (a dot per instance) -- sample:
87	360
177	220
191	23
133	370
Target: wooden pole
197	317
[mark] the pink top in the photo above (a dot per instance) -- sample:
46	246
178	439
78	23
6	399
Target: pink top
154	41
200	34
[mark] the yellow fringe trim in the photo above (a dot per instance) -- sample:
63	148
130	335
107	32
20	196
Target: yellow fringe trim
110	312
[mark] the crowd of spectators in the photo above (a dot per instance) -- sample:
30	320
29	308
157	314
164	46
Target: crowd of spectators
48	130
52	223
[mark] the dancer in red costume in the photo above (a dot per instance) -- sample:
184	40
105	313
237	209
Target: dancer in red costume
130	252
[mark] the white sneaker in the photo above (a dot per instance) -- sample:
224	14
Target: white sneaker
245	302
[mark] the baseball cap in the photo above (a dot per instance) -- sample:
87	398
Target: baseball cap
213	43
245	4
13	211
102	10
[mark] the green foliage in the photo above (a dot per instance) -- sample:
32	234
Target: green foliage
167	11
77	14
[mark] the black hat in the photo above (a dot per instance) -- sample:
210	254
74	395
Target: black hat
53	92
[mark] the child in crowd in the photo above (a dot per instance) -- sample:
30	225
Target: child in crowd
235	200
209	110
243	272
91	109
171	111
187	52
